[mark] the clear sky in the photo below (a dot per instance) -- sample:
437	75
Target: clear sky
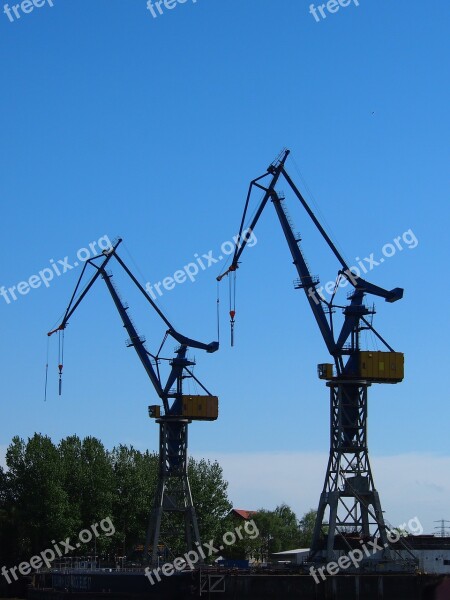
116	122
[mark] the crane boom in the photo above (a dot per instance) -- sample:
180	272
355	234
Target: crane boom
306	279
135	340
276	169
178	364
108	254
356	311
181	339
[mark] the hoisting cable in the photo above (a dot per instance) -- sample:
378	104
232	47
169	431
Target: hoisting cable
191	373
231	271
46	371
218	312
147	292
317	209
238	239
166	335
330	303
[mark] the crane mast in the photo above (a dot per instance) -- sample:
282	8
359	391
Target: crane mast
349	501
173	506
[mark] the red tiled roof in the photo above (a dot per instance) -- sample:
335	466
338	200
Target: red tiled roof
245	514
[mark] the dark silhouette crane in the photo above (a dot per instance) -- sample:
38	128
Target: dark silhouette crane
349	497
173	495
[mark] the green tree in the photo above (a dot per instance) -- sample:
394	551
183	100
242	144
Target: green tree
209	492
7	526
70	452
279	530
288	529
270	528
96	495
134	488
38	503
306	528
53	492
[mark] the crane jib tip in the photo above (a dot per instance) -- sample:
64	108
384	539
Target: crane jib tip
60	328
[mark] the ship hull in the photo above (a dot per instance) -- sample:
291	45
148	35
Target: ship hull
229	585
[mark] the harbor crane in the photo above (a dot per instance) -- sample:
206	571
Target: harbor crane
173	494
349	498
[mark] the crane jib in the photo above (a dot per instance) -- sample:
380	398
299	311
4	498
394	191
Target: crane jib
179	364
342	344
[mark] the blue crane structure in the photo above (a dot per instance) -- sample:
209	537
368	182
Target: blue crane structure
349	501
173	494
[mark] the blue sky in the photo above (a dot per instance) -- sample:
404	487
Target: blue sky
118	123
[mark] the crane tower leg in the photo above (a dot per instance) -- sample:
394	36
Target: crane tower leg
173	508
349	498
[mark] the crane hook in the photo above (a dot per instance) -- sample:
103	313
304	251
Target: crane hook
60	367
61	357
232	314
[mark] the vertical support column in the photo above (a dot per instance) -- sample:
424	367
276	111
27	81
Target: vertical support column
173	494
349	493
